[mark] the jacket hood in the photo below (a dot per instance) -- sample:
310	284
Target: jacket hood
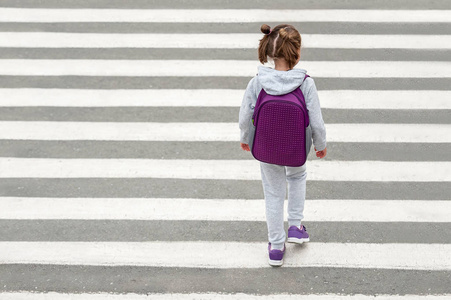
276	82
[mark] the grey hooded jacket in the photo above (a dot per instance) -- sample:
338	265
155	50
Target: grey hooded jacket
276	82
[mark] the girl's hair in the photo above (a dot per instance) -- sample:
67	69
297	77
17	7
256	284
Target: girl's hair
283	41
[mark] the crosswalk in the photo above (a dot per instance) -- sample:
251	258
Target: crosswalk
121	175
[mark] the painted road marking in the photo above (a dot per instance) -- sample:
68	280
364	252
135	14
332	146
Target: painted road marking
216	40
221	15
205	131
237	254
219	169
243	68
341	99
336	210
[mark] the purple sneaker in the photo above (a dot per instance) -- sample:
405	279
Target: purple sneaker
296	235
276	255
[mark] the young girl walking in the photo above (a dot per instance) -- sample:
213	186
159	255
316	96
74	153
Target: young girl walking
282	44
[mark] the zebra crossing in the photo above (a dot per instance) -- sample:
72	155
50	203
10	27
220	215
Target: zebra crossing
121	174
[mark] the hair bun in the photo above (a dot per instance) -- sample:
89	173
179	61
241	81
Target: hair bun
266	29
283	32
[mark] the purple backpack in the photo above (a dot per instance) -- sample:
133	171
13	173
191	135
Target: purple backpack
280	129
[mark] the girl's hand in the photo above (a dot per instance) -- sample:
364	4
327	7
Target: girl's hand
245	147
322	153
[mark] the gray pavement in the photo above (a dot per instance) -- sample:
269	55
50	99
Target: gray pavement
313	54
210	115
219	82
214	150
306	27
239	231
216	189
136	279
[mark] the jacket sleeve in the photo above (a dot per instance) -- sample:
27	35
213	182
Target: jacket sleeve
316	118
246	111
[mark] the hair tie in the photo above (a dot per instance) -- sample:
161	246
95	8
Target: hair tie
270	30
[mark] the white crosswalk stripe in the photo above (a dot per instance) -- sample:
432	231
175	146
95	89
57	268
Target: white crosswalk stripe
138	131
208	296
240	255
343	99
220	209
225	40
174	68
206	263
221	15
218	169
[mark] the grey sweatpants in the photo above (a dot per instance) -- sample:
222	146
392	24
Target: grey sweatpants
275	179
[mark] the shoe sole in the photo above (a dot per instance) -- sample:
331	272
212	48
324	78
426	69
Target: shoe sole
297	241
275	263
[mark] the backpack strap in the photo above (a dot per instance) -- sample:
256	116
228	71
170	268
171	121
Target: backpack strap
305	77
299	93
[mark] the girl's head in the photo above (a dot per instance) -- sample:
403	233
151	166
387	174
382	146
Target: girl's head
281	42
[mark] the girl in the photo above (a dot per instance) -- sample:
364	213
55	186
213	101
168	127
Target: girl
282	44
